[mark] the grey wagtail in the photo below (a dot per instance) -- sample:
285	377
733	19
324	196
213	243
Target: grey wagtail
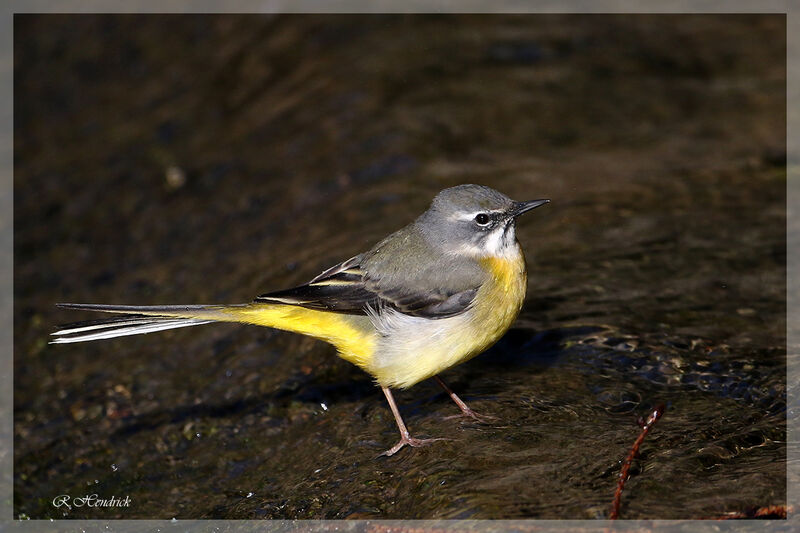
427	297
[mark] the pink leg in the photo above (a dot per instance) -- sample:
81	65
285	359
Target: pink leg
405	437
460	403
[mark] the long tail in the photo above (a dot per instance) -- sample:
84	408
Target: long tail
353	335
136	320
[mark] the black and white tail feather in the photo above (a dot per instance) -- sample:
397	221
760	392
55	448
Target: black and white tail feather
136	320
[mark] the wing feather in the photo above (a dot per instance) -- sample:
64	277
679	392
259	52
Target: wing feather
349	288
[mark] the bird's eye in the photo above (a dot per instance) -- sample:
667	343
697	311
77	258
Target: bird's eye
482	219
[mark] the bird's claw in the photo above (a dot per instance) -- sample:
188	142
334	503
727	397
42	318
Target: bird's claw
411	441
486	419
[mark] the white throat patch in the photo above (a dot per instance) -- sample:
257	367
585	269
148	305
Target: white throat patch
500	242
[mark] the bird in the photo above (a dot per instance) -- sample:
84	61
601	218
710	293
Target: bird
431	295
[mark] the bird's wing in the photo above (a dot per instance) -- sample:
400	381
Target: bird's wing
349	288
340	289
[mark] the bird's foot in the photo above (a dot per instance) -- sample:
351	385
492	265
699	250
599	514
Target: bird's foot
486	419
411	441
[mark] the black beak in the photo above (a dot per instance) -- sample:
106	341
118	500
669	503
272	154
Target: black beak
522	207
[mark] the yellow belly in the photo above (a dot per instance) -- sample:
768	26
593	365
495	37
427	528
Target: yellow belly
420	348
353	335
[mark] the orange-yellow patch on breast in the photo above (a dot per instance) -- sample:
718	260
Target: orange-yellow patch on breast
417	348
501	298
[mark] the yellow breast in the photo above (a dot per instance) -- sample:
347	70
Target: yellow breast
501	299
418	348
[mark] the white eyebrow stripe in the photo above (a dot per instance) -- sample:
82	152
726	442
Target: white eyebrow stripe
470	216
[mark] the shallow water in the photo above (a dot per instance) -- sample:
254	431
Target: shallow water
210	159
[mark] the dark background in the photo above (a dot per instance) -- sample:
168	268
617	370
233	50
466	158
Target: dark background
202	159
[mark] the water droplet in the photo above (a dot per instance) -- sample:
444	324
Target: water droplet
175	177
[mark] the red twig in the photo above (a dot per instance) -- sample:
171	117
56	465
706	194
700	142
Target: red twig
623	475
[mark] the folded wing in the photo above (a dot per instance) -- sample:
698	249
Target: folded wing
349	288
